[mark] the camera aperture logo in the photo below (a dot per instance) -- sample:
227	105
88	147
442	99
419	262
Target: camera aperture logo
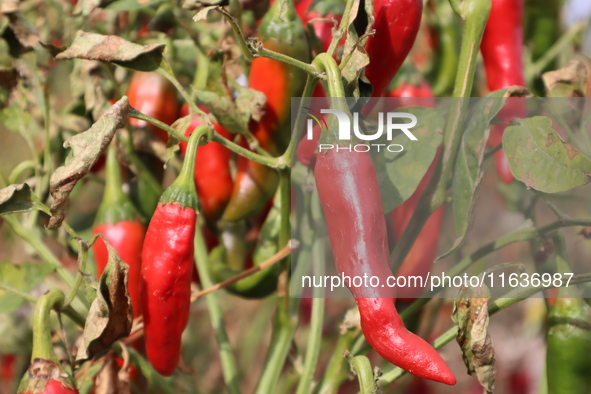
391	124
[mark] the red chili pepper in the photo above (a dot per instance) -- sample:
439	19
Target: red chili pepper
213	177
502	52
155	96
119	222
396	24
349	193
255	183
408	93
420	258
167	266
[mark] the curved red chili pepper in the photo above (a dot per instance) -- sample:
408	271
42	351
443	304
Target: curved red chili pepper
349	194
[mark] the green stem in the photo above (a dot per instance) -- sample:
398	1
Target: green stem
333	375
244	48
166	71
516	236
342	29
296	136
17	292
45	253
286	318
475	15
315	336
271	162
42	345
563	42
328	65
182	191
162	384
285	324
228	362
309	68
82	258
362	368
134	113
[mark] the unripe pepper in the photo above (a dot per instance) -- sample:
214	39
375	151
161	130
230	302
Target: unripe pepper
167	266
119	222
255	183
396	26
348	189
213	177
155	96
502	52
45	375
569	335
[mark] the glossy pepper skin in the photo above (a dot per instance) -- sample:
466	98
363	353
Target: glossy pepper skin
255	183
349	194
118	221
155	96
167	267
396	24
213	177
502	52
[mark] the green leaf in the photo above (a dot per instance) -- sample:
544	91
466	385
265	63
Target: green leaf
399	174
540	159
468	170
24	277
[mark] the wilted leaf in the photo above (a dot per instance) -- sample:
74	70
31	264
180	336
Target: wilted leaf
108	381
569	81
110	316
92	46
24	277
16	198
86	149
472	318
8	81
53	49
468	169
539	158
399	174
20	35
354	49
233	116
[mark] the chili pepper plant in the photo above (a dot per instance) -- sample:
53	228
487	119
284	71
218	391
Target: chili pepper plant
163	187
